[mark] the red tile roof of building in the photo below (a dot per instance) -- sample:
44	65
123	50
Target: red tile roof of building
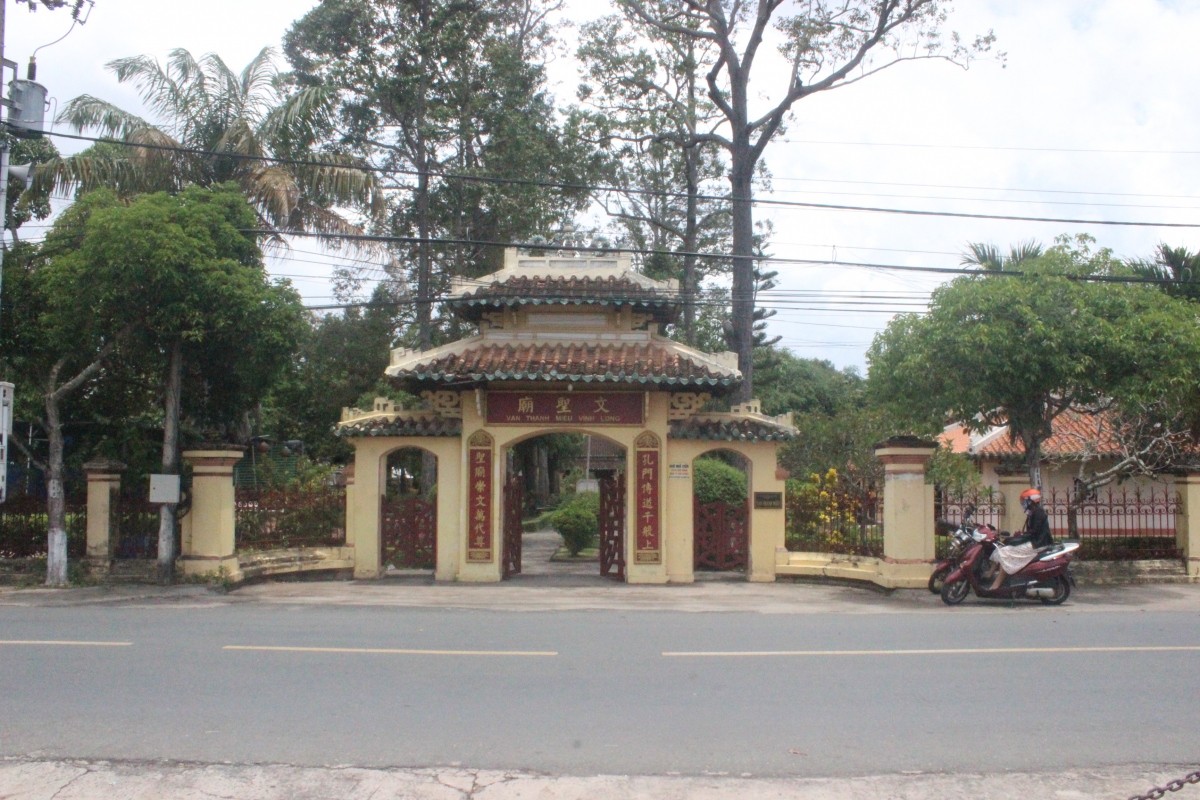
651	363
1073	433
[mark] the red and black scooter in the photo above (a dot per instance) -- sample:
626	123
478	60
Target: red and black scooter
959	540
1046	578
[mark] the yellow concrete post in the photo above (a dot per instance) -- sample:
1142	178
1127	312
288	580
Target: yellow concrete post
1187	521
211	546
348	475
103	491
363	523
1011	487
908	512
767	515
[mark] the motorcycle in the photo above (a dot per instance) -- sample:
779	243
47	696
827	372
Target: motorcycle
1047	577
959	540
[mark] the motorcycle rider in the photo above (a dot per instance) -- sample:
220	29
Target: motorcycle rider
1011	558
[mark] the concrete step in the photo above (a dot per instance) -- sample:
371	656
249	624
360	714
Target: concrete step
1147	571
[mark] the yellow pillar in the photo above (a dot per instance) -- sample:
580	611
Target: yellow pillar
1011	487
767	515
210	549
103	490
363	523
908	512
348	474
1187	521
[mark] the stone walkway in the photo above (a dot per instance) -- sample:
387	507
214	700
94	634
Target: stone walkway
83	780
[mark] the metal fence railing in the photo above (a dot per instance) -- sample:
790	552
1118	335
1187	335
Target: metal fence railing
268	519
949	508
1118	523
25	527
833	515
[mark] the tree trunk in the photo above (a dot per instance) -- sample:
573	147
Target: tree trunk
741	338
170	462
429	465
424	268
56	545
691	234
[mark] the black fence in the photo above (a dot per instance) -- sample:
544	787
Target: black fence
25	527
833	515
1118	523
268	519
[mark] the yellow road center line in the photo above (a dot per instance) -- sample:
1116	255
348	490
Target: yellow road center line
391	651
947	652
66	643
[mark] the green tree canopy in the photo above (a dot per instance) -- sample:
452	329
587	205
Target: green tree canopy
205	107
1020	350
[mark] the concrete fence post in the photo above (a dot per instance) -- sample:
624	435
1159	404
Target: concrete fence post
210	550
1187	521
103	494
908	512
1011	487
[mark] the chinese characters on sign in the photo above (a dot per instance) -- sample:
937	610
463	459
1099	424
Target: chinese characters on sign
479	498
565	408
648	548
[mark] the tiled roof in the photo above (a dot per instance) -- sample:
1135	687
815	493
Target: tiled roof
600	363
565	290
401	426
729	430
1073	433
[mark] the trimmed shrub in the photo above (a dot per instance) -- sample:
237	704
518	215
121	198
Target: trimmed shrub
578	521
715	480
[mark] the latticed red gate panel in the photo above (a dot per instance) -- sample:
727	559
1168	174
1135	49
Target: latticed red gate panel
514	499
409	533
612	527
721	535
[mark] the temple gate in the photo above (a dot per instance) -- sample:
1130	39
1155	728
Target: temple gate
567	343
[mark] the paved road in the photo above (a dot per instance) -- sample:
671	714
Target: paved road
608	700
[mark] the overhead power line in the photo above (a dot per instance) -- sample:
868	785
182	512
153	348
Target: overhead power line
931	146
628	191
720	256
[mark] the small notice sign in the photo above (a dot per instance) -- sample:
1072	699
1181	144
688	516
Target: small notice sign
679	472
768	500
164	489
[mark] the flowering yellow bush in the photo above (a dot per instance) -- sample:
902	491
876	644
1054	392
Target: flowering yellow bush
827	514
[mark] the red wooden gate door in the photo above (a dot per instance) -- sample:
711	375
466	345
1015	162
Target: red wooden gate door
721	535
612	527
408	529
514	499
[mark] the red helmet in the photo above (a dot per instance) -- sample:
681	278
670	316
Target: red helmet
1032	495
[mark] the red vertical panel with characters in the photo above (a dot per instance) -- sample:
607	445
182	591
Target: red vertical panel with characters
648	540
480	448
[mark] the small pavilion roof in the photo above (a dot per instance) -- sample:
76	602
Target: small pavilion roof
733	428
565	279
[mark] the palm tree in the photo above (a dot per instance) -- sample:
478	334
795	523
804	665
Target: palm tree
1172	264
258	125
989	257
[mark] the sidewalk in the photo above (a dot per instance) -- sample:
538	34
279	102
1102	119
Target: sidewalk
550	594
79	780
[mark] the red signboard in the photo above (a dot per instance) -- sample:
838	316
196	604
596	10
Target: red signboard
479	498
648	548
565	408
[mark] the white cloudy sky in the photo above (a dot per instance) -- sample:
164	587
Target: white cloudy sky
1095	117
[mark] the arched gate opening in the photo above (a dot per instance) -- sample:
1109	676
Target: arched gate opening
721	512
564	507
408	512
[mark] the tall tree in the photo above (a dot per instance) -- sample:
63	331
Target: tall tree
431	87
988	256
249	118
185	279
1022	350
826	44
1177	264
52	339
646	104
